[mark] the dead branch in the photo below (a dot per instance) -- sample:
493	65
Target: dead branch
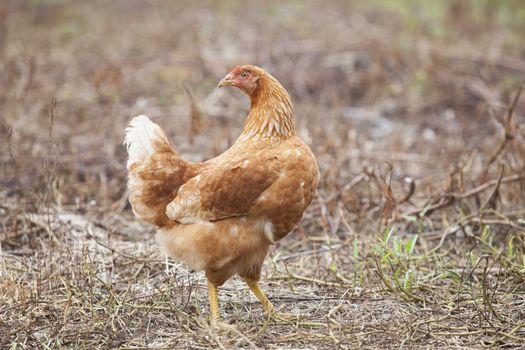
197	118
448	199
491	199
509	129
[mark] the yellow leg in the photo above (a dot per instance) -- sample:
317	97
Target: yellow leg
214	302
266	304
268	307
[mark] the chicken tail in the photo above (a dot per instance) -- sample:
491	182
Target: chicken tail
155	171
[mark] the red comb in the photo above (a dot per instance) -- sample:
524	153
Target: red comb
236	69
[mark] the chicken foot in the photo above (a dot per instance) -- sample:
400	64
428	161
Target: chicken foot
269	309
267	305
257	291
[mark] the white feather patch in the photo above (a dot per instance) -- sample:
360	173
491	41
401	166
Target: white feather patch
138	138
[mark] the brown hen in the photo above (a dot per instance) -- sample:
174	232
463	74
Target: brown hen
220	216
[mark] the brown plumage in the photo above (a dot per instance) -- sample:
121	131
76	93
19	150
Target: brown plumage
220	216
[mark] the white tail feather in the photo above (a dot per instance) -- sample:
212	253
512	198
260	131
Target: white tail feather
138	138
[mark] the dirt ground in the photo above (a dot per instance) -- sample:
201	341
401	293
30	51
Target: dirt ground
413	109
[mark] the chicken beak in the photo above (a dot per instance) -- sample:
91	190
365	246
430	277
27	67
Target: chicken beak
226	81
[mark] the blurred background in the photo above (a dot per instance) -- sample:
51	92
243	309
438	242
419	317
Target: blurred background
404	103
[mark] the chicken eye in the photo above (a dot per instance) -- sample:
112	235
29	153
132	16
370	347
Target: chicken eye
244	75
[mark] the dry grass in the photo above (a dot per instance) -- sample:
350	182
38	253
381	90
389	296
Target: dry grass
416	238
